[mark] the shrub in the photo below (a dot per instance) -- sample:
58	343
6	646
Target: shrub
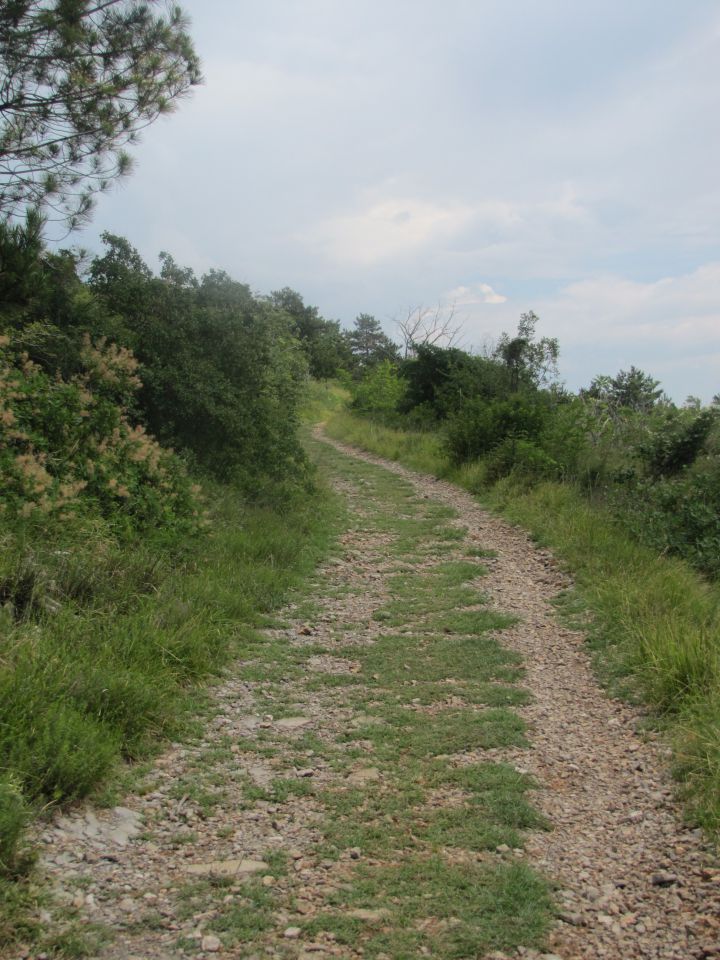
523	460
380	391
68	448
677	441
479	426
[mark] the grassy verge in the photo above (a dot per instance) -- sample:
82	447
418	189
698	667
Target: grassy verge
106	659
654	623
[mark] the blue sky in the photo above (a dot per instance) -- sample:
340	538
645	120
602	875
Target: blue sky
499	156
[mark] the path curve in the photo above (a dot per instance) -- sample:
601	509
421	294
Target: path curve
634	881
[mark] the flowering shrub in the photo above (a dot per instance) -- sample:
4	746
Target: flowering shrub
67	446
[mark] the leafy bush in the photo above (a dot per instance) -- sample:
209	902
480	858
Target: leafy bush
380	391
523	460
676	441
67	447
680	515
480	426
222	370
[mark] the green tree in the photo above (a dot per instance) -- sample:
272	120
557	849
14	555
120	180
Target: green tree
630	389
530	362
321	339
368	344
78	81
380	390
222	371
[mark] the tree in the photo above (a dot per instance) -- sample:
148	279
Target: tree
425	327
630	389
78	81
368	344
530	362
321	339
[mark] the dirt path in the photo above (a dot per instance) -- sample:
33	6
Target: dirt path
361	787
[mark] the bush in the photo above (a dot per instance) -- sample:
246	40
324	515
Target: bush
380	391
223	371
522	460
67	447
677	441
680	515
479	426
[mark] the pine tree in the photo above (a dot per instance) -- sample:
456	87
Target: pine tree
78	81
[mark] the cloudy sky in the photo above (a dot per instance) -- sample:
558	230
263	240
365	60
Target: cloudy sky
501	155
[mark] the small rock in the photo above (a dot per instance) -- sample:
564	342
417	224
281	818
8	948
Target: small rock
574	919
292	723
210	944
227	868
369	915
663	878
363	775
292	933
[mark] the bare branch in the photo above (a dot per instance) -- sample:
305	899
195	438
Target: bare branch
428	326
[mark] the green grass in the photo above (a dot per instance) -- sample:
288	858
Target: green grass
652	621
446	910
112	672
434	689
247	915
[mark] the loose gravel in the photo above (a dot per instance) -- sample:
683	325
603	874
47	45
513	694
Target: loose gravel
632	881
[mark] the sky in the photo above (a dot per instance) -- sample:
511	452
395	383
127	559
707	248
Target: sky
495	156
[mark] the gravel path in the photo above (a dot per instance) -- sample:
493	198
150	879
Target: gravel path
634	881
196	854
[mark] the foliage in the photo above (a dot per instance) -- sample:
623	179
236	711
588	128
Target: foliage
443	379
676	441
631	389
478	427
368	344
79	82
529	361
380	391
222	371
526	462
68	449
325	346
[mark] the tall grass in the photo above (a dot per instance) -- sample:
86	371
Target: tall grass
654	623
104	671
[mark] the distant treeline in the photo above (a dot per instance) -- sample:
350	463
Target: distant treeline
505	417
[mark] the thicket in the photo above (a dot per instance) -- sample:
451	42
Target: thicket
154	501
504	417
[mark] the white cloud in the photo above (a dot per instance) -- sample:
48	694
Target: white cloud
474	294
680	312
387	229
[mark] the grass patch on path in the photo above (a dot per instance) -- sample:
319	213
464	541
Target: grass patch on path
652	621
417	803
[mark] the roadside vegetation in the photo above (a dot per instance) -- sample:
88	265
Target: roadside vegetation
620	482
156	504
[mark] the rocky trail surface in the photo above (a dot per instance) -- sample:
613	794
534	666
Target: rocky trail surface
415	761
